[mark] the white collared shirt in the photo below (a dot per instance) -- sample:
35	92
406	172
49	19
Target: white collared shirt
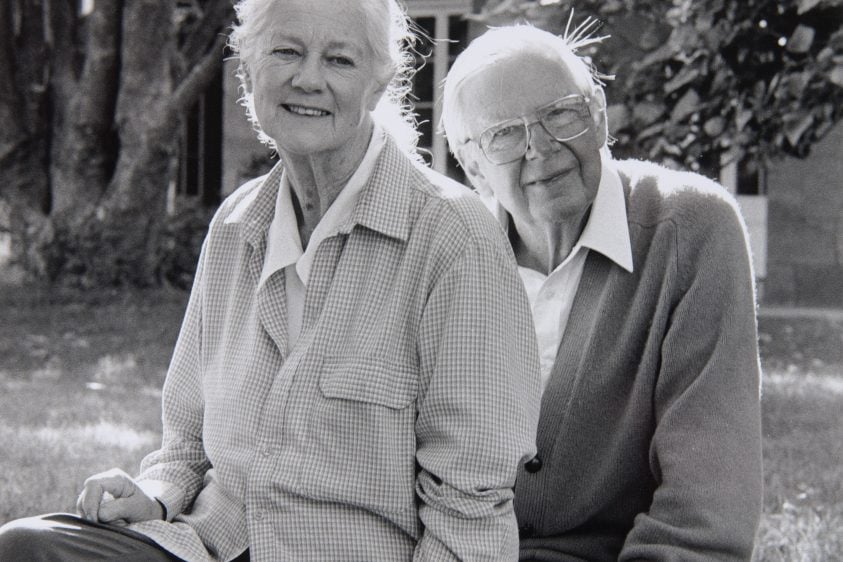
552	296
283	245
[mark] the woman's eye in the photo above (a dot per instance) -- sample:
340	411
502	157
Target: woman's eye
285	53
340	60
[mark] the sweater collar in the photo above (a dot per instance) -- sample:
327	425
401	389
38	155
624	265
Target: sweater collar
382	204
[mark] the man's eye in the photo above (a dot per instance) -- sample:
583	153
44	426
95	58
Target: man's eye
506	131
561	115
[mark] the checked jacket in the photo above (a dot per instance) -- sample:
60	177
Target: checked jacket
393	428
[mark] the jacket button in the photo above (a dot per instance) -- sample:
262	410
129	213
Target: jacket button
533	465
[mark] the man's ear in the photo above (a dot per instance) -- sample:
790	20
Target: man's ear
468	159
598	108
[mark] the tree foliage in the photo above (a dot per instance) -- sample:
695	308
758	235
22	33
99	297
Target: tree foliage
702	82
91	104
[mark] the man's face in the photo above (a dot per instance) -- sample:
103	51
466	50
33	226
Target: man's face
552	181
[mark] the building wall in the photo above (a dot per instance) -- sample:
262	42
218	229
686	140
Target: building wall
805	240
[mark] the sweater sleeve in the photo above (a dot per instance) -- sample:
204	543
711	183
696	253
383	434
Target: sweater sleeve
479	409
706	451
175	472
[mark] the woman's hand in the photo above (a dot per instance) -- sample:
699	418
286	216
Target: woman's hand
114	497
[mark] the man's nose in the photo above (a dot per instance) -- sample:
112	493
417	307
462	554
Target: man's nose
308	76
540	142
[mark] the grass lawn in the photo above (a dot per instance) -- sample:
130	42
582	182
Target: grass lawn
81	375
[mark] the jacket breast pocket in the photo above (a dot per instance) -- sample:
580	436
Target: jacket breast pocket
369	381
362	436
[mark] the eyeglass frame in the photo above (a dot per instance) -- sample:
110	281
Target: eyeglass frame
533	119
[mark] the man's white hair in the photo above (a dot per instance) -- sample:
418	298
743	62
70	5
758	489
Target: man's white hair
503	43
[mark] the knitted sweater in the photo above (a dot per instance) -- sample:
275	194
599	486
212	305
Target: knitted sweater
649	440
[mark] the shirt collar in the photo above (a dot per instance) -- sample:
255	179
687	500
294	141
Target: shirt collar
607	229
339	216
283	244
254	212
384	204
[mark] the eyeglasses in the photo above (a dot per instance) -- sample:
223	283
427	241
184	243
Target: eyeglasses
564	119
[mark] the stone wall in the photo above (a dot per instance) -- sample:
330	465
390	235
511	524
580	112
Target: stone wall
805	240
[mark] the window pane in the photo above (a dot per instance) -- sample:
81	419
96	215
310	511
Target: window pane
423	80
425	118
457	33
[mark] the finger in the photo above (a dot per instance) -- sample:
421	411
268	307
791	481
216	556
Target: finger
114	482
119	485
118	509
88	504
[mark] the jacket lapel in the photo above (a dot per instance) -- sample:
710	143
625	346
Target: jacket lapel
566	373
254	221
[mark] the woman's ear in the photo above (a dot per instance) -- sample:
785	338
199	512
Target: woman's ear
378	93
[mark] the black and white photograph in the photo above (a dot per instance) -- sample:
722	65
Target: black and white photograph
421	280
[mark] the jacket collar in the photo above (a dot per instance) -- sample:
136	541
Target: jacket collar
385	201
383	205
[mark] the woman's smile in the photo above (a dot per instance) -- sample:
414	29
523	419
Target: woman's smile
305	111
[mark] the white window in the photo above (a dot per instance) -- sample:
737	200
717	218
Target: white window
443	21
746	178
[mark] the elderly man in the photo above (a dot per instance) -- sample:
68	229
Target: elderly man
649	439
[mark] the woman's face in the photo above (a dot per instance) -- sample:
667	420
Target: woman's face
315	78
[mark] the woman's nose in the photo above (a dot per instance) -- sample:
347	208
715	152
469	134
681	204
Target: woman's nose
308	76
539	141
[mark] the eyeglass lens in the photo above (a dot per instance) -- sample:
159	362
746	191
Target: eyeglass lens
564	120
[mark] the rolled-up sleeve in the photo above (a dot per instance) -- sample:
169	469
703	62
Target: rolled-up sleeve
479	406
174	473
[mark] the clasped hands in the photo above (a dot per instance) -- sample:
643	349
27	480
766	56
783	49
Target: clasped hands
114	497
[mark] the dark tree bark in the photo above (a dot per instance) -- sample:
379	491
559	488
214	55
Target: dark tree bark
91	112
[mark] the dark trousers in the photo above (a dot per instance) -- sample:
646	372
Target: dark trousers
68	538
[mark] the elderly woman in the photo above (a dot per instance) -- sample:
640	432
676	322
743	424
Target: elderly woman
356	376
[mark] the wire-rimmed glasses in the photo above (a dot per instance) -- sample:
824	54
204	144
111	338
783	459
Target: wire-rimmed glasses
564	119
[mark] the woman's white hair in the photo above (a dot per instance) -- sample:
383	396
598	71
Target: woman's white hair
391	38
502	43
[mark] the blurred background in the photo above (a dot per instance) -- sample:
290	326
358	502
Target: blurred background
121	133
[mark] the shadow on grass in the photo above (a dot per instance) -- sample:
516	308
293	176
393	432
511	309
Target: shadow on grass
80	380
104	336
54	435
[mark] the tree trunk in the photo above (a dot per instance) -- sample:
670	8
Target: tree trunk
88	143
84	149
24	136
